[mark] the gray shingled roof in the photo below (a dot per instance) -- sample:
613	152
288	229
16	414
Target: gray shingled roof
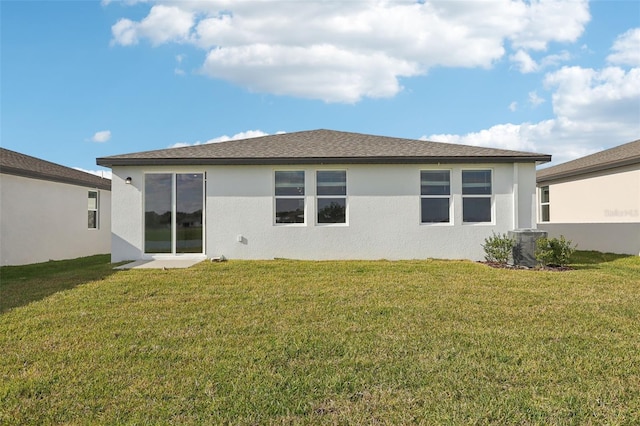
321	147
622	155
14	163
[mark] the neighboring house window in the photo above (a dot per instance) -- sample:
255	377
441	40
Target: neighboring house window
289	196
435	196
93	210
332	196
544	204
476	196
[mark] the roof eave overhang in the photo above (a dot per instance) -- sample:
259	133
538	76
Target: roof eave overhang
106	184
588	170
110	162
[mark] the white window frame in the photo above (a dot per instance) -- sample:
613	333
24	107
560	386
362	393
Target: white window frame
302	197
345	197
545	204
448	196
96	209
469	196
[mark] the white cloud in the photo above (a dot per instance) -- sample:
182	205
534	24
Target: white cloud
597	99
183	144
513	106
524	62
344	51
331	74
626	49
593	110
242	135
507	136
177	70
101	136
553	60
534	99
124	33
549	137
102	173
551	20
163	24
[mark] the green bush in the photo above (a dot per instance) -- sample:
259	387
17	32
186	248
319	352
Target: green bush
554	251
498	248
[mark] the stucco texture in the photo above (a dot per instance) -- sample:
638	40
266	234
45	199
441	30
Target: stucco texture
43	220
383	213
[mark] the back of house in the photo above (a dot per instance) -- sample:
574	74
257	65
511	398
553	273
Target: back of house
319	194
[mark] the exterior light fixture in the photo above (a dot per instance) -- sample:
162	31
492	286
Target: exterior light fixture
128	180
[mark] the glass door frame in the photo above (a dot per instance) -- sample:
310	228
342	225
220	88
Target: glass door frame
174	228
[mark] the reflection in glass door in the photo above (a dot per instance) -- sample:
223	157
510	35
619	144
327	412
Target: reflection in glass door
189	203
174	220
157	212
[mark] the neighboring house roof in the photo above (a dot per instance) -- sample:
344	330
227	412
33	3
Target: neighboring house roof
321	147
14	163
620	156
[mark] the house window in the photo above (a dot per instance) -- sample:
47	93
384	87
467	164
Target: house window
331	194
93	210
544	204
476	196
289	196
435	196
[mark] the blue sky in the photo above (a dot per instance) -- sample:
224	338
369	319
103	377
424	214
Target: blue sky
83	79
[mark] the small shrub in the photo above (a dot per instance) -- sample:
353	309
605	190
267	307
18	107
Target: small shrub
498	248
554	251
544	252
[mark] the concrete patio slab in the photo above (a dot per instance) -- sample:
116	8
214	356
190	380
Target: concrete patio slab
160	264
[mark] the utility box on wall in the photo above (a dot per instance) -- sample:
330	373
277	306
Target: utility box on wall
524	249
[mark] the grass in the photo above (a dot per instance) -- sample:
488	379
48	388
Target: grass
290	342
20	285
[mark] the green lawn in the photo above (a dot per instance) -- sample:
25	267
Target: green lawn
291	342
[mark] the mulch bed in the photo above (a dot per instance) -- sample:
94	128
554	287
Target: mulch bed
554	268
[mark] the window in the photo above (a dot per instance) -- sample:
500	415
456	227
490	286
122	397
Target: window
93	210
435	196
174	213
332	196
476	196
544	204
289	196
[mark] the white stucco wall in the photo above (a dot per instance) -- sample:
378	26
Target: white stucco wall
621	238
599	211
383	213
606	197
42	220
127	215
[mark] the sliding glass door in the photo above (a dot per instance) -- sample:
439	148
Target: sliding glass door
158	213
174	213
189	207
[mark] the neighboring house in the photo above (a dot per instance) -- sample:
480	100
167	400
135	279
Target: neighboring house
50	212
319	194
594	200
